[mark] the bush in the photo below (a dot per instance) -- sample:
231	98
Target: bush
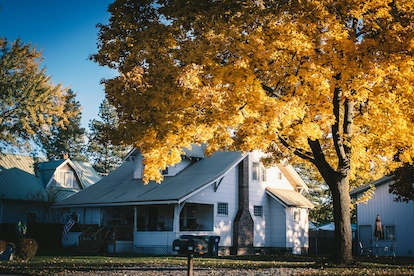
2	245
26	249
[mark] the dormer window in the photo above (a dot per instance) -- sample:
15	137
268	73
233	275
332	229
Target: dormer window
165	172
66	179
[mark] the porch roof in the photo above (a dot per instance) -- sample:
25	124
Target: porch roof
120	188
289	198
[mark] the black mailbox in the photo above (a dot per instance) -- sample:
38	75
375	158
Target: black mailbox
191	245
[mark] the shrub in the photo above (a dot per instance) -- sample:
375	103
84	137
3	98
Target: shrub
2	245
26	249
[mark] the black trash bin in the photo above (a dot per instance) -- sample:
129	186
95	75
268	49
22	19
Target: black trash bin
213	244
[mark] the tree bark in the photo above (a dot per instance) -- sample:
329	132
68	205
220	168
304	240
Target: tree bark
338	182
343	234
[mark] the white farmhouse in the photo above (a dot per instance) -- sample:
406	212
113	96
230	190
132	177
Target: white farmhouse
229	194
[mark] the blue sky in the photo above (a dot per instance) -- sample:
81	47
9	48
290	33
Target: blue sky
66	31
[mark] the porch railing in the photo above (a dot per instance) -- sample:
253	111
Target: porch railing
94	238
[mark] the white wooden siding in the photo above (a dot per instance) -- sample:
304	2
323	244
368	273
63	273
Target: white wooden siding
66	168
277	224
296	230
399	214
227	192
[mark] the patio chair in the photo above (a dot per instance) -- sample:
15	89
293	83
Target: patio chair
364	251
390	252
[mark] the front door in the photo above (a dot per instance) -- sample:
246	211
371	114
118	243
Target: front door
365	235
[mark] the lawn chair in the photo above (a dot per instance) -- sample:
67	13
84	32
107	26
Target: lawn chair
390	252
364	251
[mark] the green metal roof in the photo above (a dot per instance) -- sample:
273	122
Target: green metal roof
87	173
120	188
18	180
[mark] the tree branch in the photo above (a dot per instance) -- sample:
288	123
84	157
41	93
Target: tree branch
337	138
306	155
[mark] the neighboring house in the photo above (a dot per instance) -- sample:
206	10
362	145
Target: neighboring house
228	194
29	186
397	219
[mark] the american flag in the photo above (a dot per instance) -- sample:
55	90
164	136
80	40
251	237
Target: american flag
69	223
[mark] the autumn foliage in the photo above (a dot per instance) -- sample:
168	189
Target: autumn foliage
329	82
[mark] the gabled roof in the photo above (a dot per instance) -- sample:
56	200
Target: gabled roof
364	188
120	188
289	198
19	181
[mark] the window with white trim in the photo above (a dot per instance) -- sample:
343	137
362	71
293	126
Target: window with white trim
222	208
296	215
264	178
258	211
279	175
255	171
66	179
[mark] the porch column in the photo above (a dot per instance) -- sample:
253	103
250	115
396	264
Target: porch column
135	218
176	222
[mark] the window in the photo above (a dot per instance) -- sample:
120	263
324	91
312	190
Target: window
296	215
255	171
66	179
258	211
263	174
279	175
389	232
165	172
222	208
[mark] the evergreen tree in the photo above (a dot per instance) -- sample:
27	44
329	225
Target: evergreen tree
66	140
105	155
30	105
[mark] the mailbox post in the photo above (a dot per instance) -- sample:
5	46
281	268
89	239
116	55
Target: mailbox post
189	245
186	247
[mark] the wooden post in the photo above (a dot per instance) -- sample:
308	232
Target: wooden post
190	265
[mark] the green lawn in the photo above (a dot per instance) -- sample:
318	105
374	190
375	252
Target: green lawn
49	265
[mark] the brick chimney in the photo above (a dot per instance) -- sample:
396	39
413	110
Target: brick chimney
243	226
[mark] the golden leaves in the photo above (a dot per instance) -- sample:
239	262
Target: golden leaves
201	78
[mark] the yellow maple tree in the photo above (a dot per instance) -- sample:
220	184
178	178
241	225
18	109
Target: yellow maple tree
329	82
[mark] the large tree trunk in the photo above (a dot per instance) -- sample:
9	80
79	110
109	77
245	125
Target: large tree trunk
343	234
338	182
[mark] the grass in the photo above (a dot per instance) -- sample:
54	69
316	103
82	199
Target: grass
52	264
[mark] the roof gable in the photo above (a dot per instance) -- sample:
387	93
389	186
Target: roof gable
20	180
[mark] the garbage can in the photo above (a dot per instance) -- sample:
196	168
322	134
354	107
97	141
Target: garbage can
213	244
